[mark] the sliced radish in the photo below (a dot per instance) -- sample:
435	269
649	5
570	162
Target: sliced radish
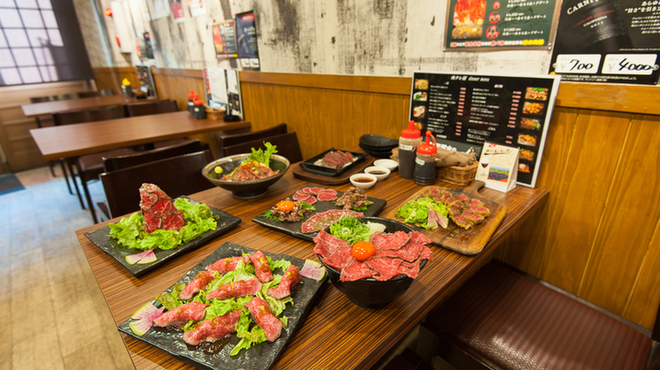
142	258
145	315
313	270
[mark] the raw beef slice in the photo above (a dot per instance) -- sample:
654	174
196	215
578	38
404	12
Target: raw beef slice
158	210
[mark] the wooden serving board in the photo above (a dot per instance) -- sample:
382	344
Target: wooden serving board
455	238
343	178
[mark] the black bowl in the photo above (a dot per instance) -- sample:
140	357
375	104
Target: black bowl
371	293
377	153
377	141
245	189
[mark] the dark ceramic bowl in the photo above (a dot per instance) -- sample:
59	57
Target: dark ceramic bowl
380	153
245	189
378	142
371	293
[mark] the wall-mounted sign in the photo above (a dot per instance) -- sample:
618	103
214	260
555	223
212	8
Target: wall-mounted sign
224	39
196	8
246	39
177	11
465	110
158	8
478	24
608	41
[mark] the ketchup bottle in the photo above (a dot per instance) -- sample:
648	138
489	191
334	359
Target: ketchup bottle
408	142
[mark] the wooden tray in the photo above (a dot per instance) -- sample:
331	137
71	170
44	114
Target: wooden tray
454	238
342	178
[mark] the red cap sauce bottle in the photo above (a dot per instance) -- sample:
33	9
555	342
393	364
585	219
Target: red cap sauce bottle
425	173
408	142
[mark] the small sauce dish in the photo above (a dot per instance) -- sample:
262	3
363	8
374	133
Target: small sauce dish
381	173
387	163
363	180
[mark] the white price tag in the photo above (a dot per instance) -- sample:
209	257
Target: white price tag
577	63
629	64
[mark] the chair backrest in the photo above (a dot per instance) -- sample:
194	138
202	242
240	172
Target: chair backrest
39	99
107	92
180	175
89	115
88	94
155	107
231	140
62	97
287	146
125	161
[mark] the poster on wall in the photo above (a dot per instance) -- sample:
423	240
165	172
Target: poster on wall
246	40
483	24
158	8
146	81
613	41
177	11
465	110
224	39
223	90
196	7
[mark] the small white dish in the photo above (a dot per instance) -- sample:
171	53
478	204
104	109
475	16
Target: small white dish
363	180
387	163
381	173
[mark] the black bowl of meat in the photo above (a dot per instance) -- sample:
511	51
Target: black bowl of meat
401	253
251	182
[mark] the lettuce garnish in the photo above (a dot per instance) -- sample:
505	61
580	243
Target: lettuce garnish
351	230
416	212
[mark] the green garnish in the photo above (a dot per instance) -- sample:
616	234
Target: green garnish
128	231
364	206
351	230
416	212
261	156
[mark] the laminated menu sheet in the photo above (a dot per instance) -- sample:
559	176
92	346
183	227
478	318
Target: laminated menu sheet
465	110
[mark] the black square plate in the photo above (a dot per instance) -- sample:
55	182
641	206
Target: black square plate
310	167
102	239
259	357
293	228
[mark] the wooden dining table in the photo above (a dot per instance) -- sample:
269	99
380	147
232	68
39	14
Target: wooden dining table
86	138
59	106
336	334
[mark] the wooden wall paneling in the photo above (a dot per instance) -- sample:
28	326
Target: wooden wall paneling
527	247
628	221
591	163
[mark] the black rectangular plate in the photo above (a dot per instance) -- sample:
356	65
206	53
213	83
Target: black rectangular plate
101	238
293	228
310	167
259	357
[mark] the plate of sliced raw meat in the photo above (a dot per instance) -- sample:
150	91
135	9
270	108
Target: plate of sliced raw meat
326	212
470	222
332	162
102	239
203	346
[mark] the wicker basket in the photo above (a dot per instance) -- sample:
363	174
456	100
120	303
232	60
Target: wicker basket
461	176
215	114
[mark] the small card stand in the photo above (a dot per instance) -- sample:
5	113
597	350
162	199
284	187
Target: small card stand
498	167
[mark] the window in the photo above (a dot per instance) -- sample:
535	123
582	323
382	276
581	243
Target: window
32	49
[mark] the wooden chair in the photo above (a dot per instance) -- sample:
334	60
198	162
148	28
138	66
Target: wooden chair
89	167
62	97
154	107
180	175
88	94
40	99
234	139
502	319
287	146
115	163
107	92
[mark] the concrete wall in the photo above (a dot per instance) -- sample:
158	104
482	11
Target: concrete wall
362	37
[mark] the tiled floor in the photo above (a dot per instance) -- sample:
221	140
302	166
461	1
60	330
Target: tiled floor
54	316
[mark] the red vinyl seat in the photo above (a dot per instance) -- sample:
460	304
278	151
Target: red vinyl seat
506	320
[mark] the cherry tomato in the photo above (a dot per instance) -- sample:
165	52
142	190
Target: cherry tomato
285	205
363	250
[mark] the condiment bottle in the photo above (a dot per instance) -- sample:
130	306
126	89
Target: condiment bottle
425	162
191	101
408	142
199	111
126	88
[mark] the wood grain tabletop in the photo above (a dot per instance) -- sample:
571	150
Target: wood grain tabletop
336	334
84	138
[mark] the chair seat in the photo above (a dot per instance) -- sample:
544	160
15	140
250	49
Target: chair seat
94	162
519	323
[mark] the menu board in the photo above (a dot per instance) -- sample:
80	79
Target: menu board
479	24
465	110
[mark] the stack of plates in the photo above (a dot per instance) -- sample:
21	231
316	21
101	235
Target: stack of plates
378	146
